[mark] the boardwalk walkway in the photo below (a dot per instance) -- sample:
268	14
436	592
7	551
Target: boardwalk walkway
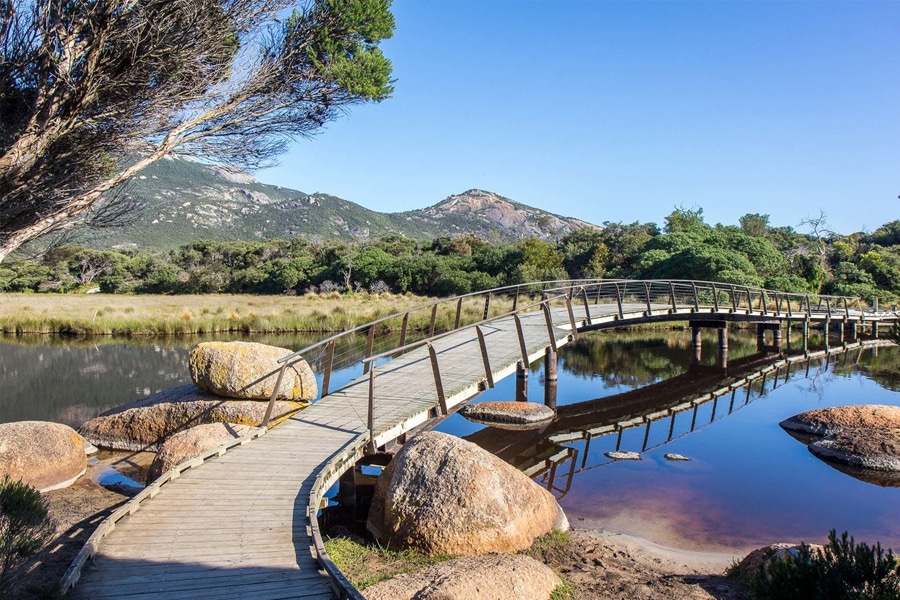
238	527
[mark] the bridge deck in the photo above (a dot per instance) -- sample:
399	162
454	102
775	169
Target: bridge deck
238	527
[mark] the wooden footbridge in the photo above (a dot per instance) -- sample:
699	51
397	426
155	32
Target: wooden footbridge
245	525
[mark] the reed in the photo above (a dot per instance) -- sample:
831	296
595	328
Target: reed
116	315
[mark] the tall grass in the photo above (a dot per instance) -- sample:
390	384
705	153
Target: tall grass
99	314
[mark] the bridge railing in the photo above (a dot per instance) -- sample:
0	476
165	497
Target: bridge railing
389	334
686	296
352	347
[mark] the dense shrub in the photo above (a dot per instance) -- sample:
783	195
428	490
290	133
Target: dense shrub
841	570
25	526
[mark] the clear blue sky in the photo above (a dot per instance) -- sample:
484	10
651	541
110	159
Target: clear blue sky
622	110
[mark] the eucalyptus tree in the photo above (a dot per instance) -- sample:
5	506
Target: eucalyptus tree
93	91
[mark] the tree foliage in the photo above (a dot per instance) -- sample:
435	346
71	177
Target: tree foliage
91	92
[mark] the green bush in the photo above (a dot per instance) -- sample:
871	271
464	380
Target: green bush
25	526
842	570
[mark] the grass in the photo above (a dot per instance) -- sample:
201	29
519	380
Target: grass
366	565
100	314
151	315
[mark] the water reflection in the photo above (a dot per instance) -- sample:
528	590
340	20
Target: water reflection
748	483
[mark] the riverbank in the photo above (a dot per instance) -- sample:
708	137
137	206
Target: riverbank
125	316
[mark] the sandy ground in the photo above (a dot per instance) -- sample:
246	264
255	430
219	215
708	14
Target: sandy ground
606	565
598	564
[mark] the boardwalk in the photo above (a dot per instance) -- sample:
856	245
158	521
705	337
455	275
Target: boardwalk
238	527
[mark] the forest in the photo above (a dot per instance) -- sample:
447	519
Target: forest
753	253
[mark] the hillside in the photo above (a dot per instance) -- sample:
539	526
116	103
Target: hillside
176	201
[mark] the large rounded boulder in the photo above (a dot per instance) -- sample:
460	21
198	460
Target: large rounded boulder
147	423
444	495
193	442
487	577
45	455
250	370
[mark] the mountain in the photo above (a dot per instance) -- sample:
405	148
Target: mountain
176	201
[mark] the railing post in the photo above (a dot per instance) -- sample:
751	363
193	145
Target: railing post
599	292
763	302
370	340
521	334
403	329
488	375
438	384
734	305
715	298
587	310
571	318
268	415
516	299
672	297
696	298
749	300
828	306
790	308
487	306
619	301
371	444
329	365
647	298
433	317
846	309
808	306
549	320
458	313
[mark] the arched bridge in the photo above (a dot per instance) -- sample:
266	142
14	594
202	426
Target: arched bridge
245	525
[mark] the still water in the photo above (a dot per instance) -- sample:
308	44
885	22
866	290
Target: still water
748	482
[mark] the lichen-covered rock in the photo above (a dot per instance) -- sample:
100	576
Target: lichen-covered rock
250	370
487	577
867	448
825	421
193	442
45	455
509	415
147	423
444	495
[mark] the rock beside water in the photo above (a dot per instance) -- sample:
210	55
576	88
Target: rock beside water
193	442
146	423
486	577
863	437
825	421
250	370
509	415
45	455
444	495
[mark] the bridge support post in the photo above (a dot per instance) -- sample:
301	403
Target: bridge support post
551	378
875	329
696	344
776	338
787	331
521	382
760	338
722	361
806	336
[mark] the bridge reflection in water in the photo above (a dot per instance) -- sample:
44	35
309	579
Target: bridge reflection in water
663	411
